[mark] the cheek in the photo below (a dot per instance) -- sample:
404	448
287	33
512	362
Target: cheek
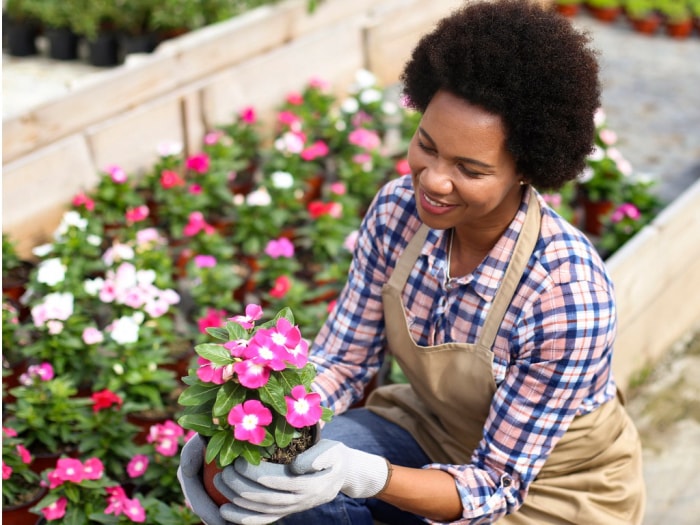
414	157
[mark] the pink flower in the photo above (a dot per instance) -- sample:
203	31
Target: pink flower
43	372
105	399
248	115
209	373
69	469
137	466
303	409
93	468
351	241
24	454
134	510
402	167
281	247
9	432
213	319
213	137
318	209
92	336
117	174
204	261
196	223
252	373
316	150
319	83
253	312
56	510
166	437
248	420
364	138
281	287
83	200
195	189
608	136
625	210
116	498
138	214
170	179
265	350
198	163
288	118
338	188
295	98
6	471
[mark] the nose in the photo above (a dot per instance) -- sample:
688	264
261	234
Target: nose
436	178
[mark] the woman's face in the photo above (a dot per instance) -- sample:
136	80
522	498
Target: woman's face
462	173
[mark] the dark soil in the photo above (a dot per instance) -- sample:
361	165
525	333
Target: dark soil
284	456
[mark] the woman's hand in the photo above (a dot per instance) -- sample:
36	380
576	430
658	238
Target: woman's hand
264	493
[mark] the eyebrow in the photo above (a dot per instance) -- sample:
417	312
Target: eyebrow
468	160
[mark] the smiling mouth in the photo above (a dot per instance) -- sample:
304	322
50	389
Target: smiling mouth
434	203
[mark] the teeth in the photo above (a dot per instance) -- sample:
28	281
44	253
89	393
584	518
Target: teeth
434	203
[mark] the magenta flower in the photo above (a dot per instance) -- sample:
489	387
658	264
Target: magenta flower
364	138
69	469
248	115
166	437
265	350
253	312
338	188
303	409
252	373
198	163
24	454
249	420
93	468
316	150
42	372
117	174
134	510
56	510
213	137
171	179
289	119
81	199
295	98
6	471
209	373
204	261
138	214
281	286
196	223
119	504
402	167
213	319
137	466
625	210
281	247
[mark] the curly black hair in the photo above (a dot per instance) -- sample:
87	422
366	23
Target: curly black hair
525	63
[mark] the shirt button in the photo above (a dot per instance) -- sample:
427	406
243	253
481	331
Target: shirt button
507	481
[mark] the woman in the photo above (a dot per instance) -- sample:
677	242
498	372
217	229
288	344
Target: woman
499	312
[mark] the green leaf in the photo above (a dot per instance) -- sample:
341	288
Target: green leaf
198	394
228	396
284	433
231	449
272	394
200	423
218	333
251	453
215	445
235	331
215	353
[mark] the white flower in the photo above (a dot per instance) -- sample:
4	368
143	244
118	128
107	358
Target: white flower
57	306
93	286
368	96
290	143
118	369
364	79
597	154
51	272
599	117
93	239
146	277
166	149
390	108
282	180
259	197
586	175
42	250
118	252
350	105
125	330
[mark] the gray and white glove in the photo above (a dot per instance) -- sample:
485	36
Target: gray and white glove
264	493
190	477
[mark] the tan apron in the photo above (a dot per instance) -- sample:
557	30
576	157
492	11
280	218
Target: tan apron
592	477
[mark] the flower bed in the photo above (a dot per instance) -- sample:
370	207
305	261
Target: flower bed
141	267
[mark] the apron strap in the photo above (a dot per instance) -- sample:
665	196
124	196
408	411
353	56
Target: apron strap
521	255
408	258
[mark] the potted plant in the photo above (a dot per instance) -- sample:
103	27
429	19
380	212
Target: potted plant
568	8
250	396
55	17
20	484
94	21
677	17
22	27
605	10
134	24
643	16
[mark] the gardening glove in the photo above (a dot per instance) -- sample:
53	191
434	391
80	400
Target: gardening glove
264	493
189	474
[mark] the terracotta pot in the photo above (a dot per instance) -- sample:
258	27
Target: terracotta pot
568	10
593	213
647	25
210	470
679	29
19	514
605	14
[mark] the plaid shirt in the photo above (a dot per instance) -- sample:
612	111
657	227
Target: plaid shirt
552	356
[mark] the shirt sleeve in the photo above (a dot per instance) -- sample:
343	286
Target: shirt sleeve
561	353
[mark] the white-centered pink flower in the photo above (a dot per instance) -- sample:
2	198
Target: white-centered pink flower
303	409
92	336
253	312
252	373
249	420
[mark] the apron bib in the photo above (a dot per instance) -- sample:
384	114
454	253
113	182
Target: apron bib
593	476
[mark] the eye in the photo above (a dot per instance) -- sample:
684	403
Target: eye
422	145
468	171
